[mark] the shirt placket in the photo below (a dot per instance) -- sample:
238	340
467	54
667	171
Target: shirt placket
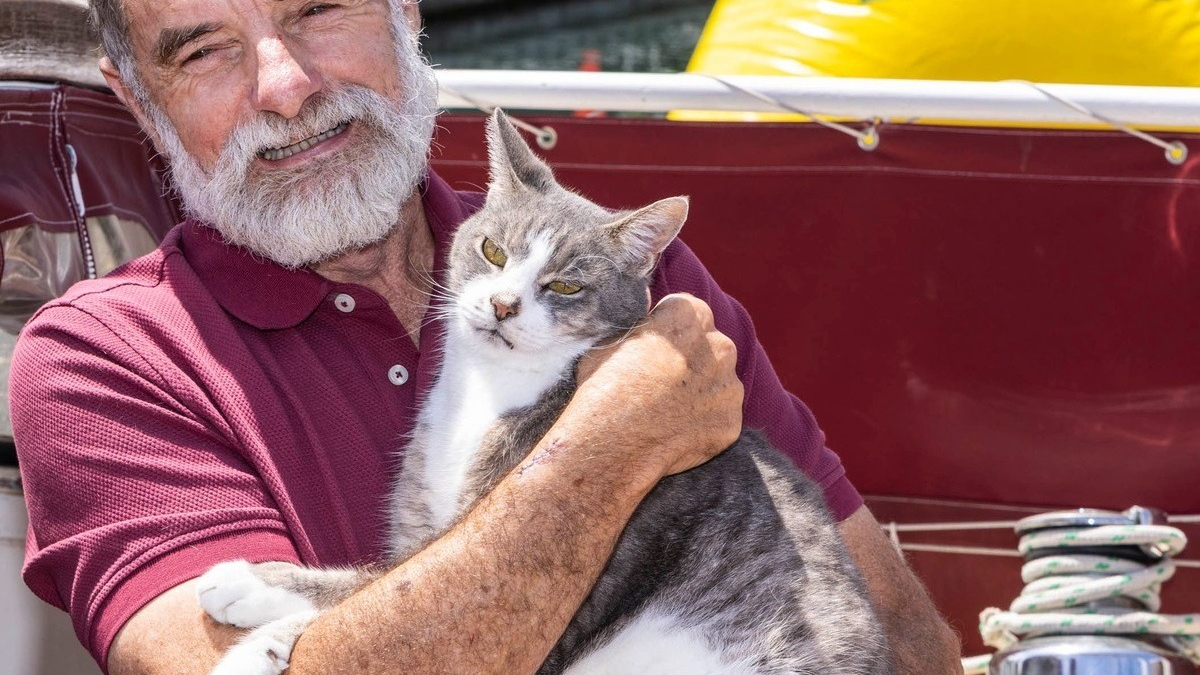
370	323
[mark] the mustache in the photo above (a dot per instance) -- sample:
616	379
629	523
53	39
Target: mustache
322	113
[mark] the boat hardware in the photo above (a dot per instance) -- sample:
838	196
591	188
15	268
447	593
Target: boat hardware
1091	599
868	139
546	136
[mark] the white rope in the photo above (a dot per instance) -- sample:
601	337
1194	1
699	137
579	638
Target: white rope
1059	588
894	536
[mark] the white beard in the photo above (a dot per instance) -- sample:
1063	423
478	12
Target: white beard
336	202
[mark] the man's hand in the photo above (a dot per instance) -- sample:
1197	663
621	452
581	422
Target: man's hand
669	388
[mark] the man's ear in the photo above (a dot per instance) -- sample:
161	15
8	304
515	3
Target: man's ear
117	83
413	13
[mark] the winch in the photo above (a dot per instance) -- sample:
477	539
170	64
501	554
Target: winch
1089	607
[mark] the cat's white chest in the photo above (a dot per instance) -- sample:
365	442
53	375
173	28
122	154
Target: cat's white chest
465	403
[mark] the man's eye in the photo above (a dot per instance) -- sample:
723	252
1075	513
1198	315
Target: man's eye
313	10
197	55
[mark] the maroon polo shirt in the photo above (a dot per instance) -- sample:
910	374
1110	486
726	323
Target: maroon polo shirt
201	404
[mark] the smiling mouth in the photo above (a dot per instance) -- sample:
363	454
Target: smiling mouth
276	154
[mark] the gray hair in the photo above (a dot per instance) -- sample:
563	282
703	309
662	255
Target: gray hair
110	23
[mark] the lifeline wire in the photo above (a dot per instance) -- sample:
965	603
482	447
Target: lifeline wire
894	529
1001	552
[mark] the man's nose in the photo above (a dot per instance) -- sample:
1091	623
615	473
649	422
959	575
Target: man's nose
285	81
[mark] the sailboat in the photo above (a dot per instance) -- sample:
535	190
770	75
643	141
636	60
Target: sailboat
983	278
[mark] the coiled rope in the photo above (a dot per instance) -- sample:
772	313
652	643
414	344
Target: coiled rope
1059	588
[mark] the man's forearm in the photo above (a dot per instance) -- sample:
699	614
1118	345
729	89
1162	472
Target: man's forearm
491	596
494	594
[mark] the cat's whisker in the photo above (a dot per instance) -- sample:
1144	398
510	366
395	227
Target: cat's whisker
443	298
427	277
435	316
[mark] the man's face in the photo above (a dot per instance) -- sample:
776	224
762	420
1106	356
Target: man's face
296	128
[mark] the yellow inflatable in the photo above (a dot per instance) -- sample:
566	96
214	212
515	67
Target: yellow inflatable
1135	42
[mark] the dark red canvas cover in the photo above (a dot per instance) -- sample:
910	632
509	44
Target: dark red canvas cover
987	322
116	166
80	193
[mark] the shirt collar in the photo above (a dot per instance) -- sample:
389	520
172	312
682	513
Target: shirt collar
269	296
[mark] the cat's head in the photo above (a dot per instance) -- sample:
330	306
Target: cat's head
541	269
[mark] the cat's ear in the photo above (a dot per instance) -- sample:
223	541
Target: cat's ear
513	164
643	234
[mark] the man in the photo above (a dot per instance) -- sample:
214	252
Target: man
235	394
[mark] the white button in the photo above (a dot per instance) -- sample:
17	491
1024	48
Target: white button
344	302
398	374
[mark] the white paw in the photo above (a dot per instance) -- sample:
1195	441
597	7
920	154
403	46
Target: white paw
255	655
232	594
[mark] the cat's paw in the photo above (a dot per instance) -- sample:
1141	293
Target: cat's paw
263	654
231	593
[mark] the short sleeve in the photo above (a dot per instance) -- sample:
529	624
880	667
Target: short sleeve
129	491
786	421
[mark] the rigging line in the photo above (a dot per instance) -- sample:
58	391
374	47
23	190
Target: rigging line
546	136
995	524
965	550
953	527
1176	152
1000	552
985	506
867	140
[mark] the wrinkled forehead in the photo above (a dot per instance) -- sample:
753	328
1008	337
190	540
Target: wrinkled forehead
155	22
157	28
157	25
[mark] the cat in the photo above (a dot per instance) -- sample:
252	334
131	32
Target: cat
732	568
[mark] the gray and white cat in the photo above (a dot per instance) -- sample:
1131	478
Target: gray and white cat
731	568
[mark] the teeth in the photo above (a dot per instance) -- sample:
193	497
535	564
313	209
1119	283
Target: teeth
275	154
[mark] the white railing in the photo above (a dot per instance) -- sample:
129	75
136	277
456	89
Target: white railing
897	100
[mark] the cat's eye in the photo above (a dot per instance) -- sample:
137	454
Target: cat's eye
494	253
564	288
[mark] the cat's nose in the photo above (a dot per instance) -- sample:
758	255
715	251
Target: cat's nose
505	306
